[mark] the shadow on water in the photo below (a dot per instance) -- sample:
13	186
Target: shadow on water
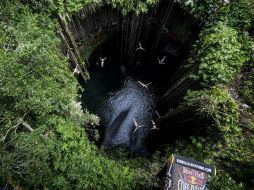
113	92
114	128
118	99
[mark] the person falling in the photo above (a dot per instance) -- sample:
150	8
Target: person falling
144	85
154	127
76	70
140	47
161	62
136	125
102	61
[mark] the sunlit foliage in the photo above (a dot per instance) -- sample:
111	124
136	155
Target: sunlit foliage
70	6
219	54
42	142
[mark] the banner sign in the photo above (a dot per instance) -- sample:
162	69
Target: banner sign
187	174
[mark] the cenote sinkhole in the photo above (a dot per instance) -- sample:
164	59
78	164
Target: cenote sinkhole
126	53
126	94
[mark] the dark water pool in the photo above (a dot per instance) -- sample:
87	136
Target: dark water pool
117	98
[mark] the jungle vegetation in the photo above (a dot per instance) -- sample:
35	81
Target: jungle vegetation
43	143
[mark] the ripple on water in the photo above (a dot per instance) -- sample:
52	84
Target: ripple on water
120	109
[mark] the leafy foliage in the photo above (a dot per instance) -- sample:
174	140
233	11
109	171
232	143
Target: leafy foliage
223	47
224	182
146	168
136	6
37	90
64	160
237	14
219	54
34	77
70	6
200	9
42	143
247	87
61	6
225	143
215	103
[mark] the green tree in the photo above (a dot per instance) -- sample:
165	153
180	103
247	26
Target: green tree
237	14
42	142
34	76
61	159
219	54
71	6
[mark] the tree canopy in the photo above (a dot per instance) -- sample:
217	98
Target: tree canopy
43	144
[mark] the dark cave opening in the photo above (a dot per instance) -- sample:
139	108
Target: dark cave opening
114	92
